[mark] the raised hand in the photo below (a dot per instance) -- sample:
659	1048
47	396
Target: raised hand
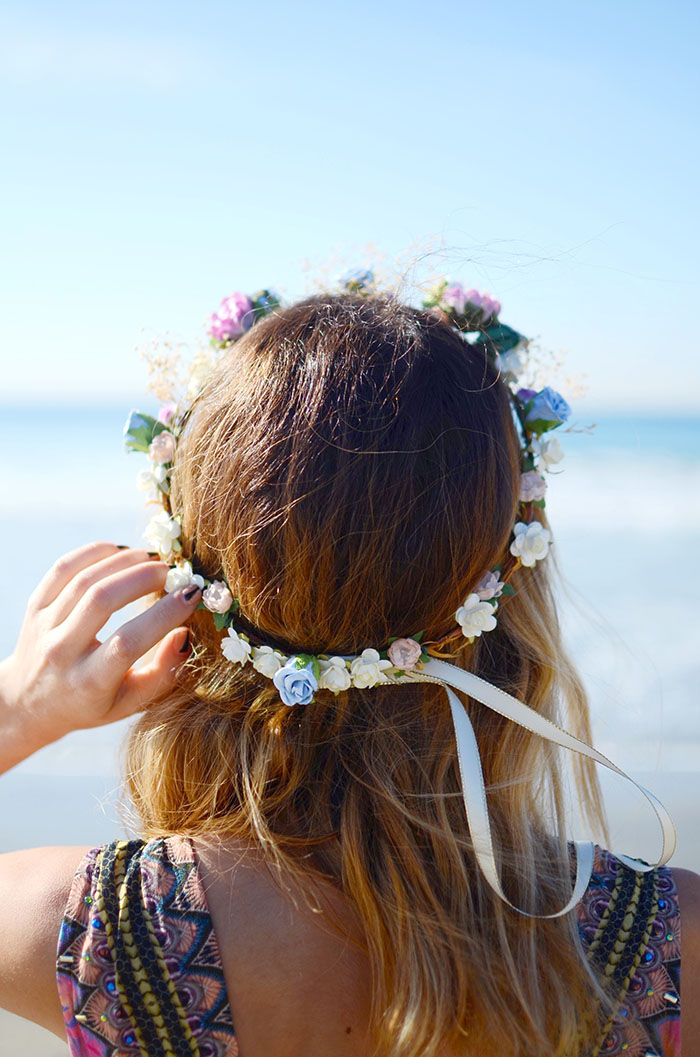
61	677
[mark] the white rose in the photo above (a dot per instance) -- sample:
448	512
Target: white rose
267	661
182	576
153	481
334	675
217	597
368	669
162	447
531	542
475	617
549	450
235	648
161	534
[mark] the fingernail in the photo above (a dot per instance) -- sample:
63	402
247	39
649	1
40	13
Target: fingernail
123	547
185	648
153	556
189	592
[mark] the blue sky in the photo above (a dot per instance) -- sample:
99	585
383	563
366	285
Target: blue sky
158	156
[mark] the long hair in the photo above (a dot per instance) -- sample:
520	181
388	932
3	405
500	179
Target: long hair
352	470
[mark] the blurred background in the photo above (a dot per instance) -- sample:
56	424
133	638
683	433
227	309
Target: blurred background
157	157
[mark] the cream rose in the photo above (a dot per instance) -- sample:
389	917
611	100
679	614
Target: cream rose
531	542
368	669
217	597
182	576
475	617
334	675
267	661
235	648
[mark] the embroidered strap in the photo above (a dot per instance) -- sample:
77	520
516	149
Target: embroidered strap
145	987
622	937
474	792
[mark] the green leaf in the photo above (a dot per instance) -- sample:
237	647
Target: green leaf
508	589
419	636
541	425
501	337
221	620
139	431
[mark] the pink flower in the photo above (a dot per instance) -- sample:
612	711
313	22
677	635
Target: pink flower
489	586
235	315
404	654
489	306
532	486
455	297
166	414
217	597
162	447
485	304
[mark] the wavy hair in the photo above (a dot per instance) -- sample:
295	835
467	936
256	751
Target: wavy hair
352	470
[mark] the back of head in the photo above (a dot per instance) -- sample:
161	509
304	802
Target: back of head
352	470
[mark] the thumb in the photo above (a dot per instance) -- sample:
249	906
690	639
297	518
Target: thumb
142	686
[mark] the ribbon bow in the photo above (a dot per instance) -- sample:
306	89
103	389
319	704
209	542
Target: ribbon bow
474	791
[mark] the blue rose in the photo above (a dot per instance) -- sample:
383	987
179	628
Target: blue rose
549	408
297	686
357	280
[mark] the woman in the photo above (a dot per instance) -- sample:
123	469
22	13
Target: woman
350	484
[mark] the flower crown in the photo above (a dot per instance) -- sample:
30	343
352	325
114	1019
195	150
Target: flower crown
299	676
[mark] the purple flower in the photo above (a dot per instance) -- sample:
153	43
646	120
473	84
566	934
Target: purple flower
489	586
548	406
234	316
524	395
455	297
532	487
297	686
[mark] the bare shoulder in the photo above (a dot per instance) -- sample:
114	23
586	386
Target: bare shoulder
688	887
34	888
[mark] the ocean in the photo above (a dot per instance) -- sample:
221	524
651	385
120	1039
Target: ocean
625	513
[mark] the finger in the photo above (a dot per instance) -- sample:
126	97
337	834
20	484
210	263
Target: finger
104	598
142	686
65	568
110	662
76	589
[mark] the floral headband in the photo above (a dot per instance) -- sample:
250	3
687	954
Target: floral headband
407	659
299	676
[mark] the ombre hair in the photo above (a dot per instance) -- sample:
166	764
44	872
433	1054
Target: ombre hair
352	470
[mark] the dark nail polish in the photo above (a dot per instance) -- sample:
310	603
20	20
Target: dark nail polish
189	593
153	556
123	547
185	648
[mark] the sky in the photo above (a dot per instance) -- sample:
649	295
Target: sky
158	156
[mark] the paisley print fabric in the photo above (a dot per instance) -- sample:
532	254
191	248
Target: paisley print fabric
139	971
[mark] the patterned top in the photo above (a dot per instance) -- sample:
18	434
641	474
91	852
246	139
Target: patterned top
139	971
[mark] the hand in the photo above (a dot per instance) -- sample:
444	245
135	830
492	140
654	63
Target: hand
61	677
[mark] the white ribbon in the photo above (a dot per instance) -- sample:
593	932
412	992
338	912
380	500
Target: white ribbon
474	791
